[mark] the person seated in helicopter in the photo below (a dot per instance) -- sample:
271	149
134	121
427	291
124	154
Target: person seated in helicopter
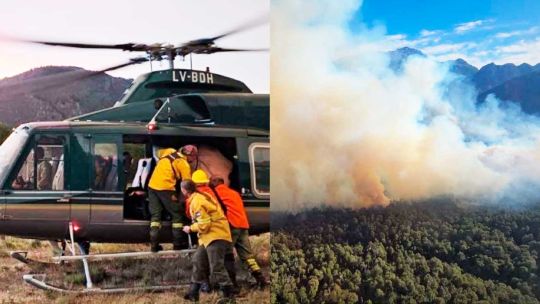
100	172
19	184
44	171
44	174
129	168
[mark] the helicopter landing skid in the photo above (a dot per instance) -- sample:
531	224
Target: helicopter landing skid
35	265
37	280
21	256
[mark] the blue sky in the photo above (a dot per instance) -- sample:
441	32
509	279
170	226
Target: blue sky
480	31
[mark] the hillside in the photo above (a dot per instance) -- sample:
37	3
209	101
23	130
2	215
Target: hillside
508	82
28	97
492	75
434	252
525	89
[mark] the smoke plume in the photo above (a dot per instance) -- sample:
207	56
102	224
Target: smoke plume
349	131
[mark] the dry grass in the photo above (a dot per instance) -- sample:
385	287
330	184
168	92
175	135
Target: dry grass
112	273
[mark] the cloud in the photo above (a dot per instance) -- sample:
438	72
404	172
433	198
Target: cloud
504	35
493	47
397	37
468	26
427	33
521	52
446	48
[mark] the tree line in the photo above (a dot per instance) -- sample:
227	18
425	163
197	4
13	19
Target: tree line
431	252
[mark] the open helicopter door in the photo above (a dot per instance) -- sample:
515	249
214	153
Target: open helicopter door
37	196
254	166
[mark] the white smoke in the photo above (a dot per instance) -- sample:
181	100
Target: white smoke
347	130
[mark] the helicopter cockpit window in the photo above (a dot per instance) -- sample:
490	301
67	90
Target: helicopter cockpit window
10	150
43	168
188	109
259	159
105	167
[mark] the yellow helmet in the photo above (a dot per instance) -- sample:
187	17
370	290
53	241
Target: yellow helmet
200	177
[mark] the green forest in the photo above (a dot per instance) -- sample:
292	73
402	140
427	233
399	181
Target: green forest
429	252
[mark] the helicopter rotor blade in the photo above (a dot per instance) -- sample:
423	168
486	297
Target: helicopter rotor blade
158	50
123	65
213	50
211	40
124	46
242	28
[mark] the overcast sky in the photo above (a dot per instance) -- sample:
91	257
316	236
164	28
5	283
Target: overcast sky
122	21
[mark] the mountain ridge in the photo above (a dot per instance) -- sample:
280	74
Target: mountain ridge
61	100
508	82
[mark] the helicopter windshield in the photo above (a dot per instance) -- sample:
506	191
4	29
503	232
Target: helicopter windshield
11	149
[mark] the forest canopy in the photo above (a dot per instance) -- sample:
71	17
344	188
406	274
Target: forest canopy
432	252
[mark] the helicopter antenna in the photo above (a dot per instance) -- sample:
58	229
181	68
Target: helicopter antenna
167	101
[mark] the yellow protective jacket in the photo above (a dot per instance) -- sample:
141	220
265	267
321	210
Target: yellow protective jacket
209	221
164	177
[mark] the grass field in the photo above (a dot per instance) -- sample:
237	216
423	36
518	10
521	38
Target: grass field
117	273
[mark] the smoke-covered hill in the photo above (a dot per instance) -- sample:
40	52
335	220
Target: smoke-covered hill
507	82
21	102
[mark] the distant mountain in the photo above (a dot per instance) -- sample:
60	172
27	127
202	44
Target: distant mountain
508	82
462	67
524	89
492	75
399	56
46	93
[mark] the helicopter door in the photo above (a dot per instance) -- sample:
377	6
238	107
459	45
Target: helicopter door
2	204
254	170
107	199
37	196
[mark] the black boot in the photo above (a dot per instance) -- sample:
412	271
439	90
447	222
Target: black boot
228	295
261	280
84	246
177	239
231	270
193	293
206	288
154	243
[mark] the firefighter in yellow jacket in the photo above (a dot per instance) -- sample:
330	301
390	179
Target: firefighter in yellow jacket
214	234
172	166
